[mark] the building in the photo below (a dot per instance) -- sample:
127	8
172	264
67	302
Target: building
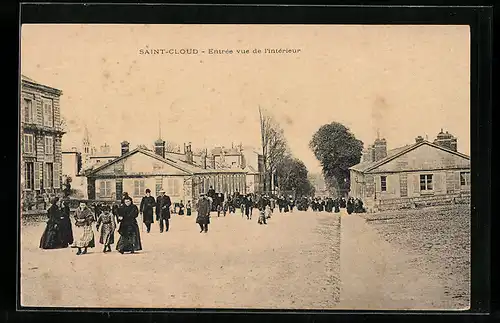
423	173
140	168
71	163
319	184
41	135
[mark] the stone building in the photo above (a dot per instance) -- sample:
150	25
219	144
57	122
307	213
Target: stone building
423	173
41	135
141	168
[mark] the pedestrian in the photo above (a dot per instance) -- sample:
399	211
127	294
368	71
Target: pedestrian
203	218
262	210
146	208
225	207
163	204
130	238
247	206
188	208
84	235
52	235
106	222
181	208
66	229
350	205
125	196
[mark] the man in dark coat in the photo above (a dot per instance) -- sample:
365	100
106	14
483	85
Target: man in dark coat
147	206
163	204
350	205
203	218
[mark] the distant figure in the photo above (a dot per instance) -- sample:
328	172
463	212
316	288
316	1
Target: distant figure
106	222
181	208
163	204
130	238
146	208
350	205
203	218
84	235
65	224
188	208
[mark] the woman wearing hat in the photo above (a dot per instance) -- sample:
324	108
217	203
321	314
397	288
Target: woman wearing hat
130	238
52	235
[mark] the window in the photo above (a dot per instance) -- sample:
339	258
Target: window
105	188
48	117
49	145
383	183
426	182
49	175
29	147
28	110
29	176
464	178
139	187
177	187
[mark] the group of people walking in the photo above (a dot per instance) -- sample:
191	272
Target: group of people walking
60	233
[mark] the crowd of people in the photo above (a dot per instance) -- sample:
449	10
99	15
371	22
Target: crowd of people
122	217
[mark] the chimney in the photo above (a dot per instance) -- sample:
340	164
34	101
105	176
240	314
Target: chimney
419	139
189	153
204	159
380	149
160	148
446	140
125	147
212	161
367	154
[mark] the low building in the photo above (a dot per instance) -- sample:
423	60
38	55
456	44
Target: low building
41	136
423	173
141	168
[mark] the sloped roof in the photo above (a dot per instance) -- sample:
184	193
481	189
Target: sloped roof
25	78
177	163
36	84
396	152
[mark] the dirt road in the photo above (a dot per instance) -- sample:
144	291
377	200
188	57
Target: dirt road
290	263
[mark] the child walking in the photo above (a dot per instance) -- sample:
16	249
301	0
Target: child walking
106	221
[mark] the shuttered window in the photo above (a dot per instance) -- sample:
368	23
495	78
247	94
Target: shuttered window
48	113
27	110
28	144
49	145
37	177
48	176
57	176
29	176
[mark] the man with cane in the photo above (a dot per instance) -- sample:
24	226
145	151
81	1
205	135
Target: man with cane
148	203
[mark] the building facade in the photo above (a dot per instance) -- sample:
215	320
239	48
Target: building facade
423	173
136	170
41	136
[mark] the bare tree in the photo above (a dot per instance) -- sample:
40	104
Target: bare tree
274	146
172	147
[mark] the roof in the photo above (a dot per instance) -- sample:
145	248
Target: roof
177	163
395	153
34	83
249	169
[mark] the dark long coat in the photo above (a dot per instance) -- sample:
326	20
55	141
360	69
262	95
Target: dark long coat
51	237
163	204
128	229
203	211
148	204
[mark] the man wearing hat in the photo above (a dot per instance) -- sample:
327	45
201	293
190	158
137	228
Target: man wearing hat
148	203
203	218
163	204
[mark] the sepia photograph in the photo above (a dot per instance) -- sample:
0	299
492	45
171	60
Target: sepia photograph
210	166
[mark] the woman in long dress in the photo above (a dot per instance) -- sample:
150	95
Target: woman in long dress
188	208
106	221
65	224
130	238
51	237
181	208
84	235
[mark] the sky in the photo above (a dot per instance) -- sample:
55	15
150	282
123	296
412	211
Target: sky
399	80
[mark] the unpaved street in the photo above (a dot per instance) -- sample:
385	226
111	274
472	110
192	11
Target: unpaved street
293	262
